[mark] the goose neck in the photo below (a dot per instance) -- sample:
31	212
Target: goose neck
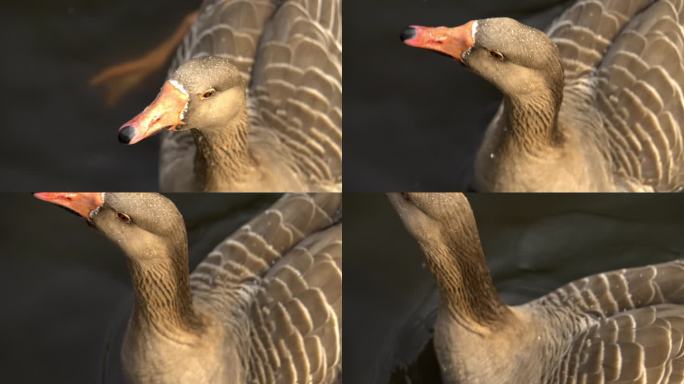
223	155
532	119
466	288
163	300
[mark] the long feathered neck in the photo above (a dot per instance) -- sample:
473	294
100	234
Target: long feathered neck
466	288
532	119
223	156
163	300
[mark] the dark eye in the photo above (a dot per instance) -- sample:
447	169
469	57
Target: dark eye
497	55
208	93
124	217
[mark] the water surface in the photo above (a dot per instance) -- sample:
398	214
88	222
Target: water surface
534	243
58	134
65	289
413	119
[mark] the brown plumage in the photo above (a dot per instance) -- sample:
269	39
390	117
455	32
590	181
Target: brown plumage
280	128
596	105
623	326
265	306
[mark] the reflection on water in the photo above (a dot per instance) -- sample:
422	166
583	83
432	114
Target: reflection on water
413	120
534	243
65	289
57	132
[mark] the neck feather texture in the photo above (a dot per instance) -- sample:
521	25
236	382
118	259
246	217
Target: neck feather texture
466	287
533	119
163	299
222	155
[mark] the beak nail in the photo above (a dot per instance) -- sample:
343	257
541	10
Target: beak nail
126	134
408	33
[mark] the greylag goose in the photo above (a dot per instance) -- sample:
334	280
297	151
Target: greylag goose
623	326
264	306
258	98
594	106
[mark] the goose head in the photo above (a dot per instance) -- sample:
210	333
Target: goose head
516	58
433	218
146	226
207	93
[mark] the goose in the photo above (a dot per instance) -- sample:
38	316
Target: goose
253	101
594	105
263	307
624	326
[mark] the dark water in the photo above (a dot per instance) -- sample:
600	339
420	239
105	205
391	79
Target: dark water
57	133
65	289
534	243
413	120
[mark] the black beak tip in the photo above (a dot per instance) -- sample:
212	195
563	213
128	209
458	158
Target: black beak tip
126	134
408	33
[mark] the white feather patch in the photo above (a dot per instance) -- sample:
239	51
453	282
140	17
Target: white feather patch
95	211
182	89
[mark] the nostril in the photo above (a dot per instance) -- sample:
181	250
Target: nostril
408	33
406	196
126	134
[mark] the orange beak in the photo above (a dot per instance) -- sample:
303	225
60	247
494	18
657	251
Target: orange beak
454	42
165	112
83	203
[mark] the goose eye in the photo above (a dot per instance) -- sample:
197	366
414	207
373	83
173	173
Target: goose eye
124	217
208	93
497	55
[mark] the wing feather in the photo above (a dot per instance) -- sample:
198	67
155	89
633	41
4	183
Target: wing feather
298	314
228	28
297	87
625	56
